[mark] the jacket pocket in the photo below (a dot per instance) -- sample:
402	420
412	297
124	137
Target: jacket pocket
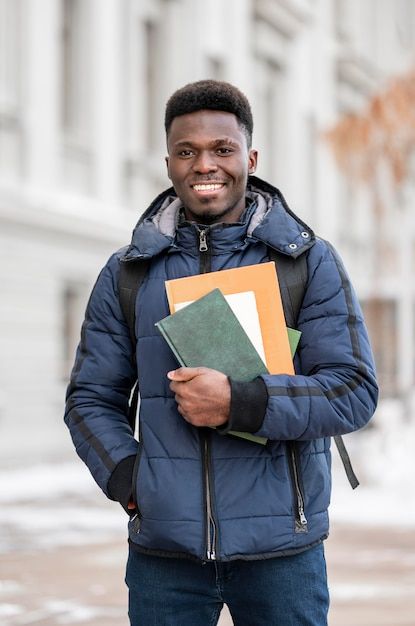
297	488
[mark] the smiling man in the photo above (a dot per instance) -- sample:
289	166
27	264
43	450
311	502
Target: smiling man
215	519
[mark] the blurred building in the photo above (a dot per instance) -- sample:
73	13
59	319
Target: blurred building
83	84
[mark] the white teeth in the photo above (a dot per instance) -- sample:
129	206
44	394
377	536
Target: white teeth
210	187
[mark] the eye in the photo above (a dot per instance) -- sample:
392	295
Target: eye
224	151
186	153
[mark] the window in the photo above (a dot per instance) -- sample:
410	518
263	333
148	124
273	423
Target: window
311	141
10	74
75	70
151	37
144	51
413	341
405	22
271	119
73	302
381	319
215	68
9	57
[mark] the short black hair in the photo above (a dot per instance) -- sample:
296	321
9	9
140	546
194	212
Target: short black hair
215	95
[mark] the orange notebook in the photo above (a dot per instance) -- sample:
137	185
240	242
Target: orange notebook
254	295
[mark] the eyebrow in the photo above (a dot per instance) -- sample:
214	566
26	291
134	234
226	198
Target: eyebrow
213	144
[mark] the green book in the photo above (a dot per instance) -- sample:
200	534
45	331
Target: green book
293	339
207	333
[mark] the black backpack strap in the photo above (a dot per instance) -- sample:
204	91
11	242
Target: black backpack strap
131	276
292	278
347	464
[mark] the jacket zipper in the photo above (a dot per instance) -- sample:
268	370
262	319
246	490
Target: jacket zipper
203	247
300	518
210	521
205	257
211	534
136	518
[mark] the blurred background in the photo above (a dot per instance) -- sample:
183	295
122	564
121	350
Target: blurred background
83	85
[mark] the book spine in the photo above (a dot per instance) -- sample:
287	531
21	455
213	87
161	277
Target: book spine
170	297
170	343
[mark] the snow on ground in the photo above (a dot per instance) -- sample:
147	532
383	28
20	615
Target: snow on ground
385	464
45	482
52	505
61	611
59	504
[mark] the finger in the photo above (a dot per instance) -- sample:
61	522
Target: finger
177	389
181	411
174	387
183	374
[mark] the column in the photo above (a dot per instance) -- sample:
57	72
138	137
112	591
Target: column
106	118
325	109
41	92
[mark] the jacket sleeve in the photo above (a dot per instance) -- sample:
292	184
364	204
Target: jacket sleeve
97	397
334	390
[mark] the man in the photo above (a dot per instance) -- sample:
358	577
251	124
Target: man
217	519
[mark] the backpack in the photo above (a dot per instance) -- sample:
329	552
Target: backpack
292	278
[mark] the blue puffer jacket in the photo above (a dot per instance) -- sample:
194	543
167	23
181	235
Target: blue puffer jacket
206	494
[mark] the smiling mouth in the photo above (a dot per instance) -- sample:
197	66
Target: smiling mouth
206	187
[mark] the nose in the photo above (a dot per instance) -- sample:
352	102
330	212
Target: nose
205	163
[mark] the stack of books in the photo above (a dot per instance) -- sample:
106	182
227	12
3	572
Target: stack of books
232	321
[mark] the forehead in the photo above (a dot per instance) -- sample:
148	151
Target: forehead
205	126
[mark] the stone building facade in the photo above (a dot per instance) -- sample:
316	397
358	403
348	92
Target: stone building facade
83	85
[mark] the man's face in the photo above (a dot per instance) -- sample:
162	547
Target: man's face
208	163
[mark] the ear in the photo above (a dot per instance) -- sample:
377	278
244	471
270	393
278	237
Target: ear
252	161
167	165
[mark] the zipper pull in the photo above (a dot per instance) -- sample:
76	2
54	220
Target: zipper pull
202	241
303	519
136	523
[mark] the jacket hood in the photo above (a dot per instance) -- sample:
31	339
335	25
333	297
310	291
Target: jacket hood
272	222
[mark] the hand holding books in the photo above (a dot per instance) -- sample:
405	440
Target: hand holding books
202	394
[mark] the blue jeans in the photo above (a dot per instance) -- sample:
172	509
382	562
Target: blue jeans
284	591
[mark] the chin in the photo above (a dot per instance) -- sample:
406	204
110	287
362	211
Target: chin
213	215
208	218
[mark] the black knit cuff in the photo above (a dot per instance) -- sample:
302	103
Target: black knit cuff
120	482
248	405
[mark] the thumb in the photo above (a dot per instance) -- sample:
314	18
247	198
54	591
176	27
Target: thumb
183	374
